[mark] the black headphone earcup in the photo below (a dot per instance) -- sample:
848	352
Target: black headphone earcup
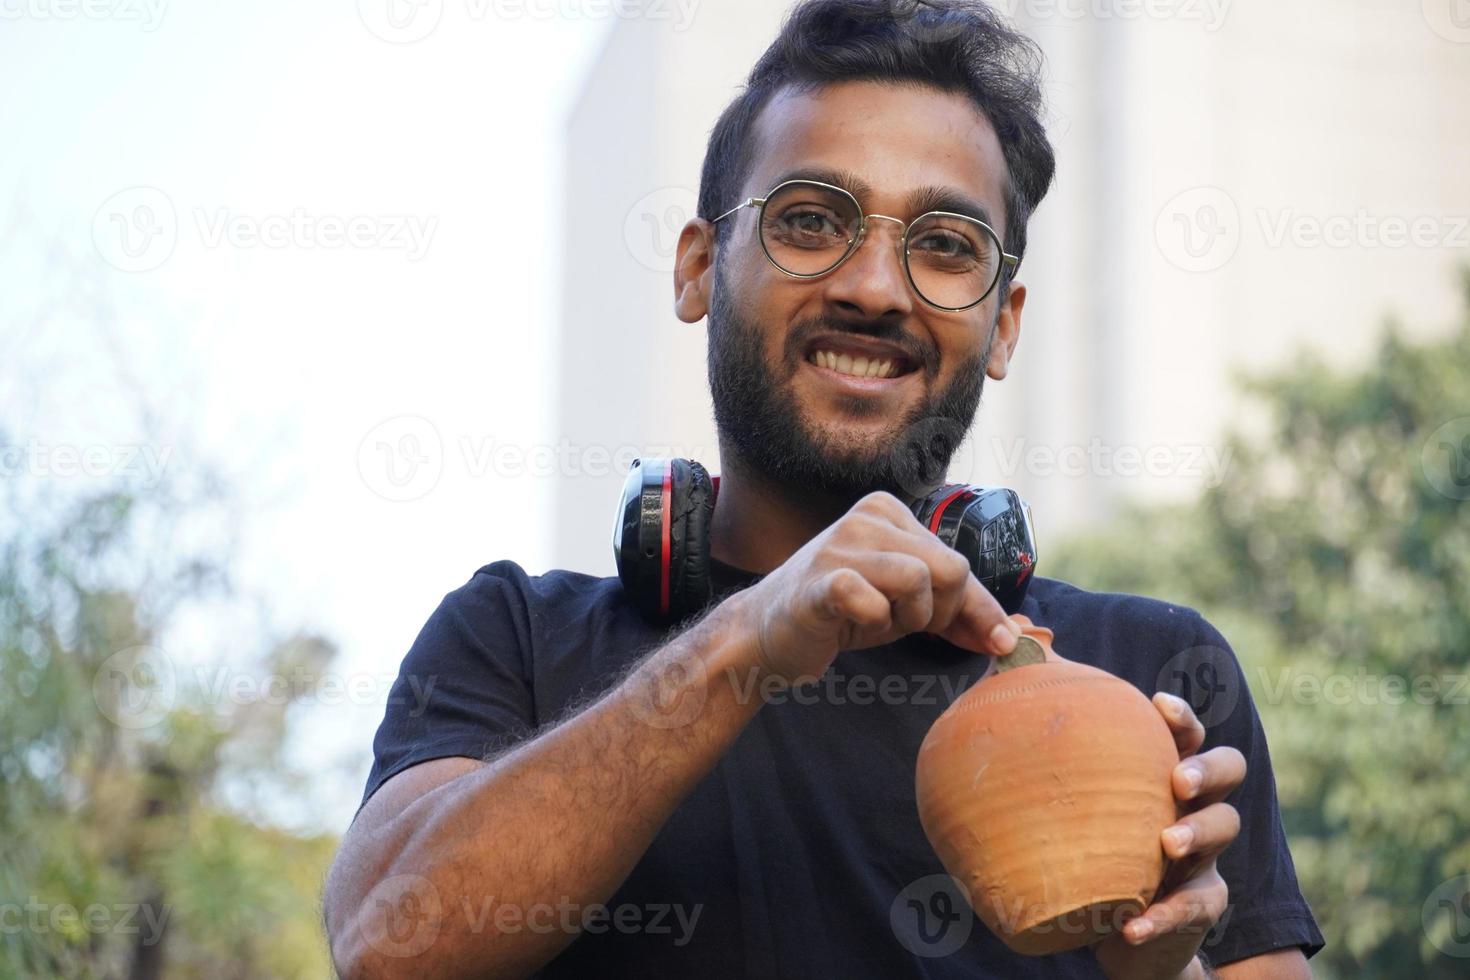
694	582
692	502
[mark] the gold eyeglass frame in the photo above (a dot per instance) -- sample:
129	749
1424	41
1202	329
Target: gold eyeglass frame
1007	266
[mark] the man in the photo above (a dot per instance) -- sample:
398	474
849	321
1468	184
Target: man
588	793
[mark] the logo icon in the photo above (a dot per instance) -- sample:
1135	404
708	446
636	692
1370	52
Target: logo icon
135	688
925	21
402	915
931	451
136	229
651	228
1445	458
1446	917
932	917
1207	679
400	21
1450	19
671	696
1199	229
402	458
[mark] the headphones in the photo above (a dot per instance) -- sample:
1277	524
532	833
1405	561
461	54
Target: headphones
661	536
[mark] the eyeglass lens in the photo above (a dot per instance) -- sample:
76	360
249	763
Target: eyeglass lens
808	229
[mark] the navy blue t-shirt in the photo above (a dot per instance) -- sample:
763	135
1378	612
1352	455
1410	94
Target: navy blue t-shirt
801	853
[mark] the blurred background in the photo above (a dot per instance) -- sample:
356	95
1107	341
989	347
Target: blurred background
308	311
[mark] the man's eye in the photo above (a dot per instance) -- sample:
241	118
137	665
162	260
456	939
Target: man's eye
945	245
811	224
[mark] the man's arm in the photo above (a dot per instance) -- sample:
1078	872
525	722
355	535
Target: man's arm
562	819
559	822
1281	964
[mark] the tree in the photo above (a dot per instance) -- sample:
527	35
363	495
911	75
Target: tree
118	857
1335	555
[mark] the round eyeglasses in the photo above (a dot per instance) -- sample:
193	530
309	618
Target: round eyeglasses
808	229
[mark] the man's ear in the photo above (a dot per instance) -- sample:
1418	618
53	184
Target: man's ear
694	270
1007	331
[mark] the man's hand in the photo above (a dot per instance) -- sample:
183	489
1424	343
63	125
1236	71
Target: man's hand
876	574
1160	944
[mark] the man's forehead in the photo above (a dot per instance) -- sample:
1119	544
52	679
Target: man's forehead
897	139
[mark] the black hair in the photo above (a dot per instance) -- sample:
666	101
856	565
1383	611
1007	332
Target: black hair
961	46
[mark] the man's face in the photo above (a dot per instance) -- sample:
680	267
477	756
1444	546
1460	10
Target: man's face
780	406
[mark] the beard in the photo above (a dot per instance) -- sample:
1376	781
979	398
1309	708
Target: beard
759	418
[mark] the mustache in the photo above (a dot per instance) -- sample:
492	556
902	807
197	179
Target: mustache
926	356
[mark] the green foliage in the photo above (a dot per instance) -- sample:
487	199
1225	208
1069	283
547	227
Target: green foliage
118	857
1335	556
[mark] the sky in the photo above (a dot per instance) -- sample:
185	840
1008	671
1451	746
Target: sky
296	232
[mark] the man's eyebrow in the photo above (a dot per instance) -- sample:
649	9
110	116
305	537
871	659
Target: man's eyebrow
927	199
845	179
921	201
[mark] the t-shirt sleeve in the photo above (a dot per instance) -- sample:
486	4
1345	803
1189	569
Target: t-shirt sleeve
1266	910
464	687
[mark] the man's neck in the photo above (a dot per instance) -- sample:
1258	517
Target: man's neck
758	524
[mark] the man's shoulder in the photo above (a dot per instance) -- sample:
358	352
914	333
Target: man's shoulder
548	584
1142	638
1054	599
507	587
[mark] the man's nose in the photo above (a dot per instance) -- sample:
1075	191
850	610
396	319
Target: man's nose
872	280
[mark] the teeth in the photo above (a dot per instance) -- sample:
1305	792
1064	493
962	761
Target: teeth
858	367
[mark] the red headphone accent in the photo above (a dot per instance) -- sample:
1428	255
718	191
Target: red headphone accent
663	580
939	511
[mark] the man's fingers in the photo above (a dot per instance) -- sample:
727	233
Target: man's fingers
845	594
945	598
890	508
907	582
1194	907
1210	776
1203	833
1188	732
981	625
948	571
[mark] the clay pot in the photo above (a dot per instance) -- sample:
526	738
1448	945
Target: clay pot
1044	789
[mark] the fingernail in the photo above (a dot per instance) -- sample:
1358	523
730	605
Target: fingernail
1139	930
1002	637
1193	778
1176	705
1180	837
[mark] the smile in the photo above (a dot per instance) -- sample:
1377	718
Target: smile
859	363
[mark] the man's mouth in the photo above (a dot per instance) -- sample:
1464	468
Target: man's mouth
860	358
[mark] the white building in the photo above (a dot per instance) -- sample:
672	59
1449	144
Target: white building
1234	181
